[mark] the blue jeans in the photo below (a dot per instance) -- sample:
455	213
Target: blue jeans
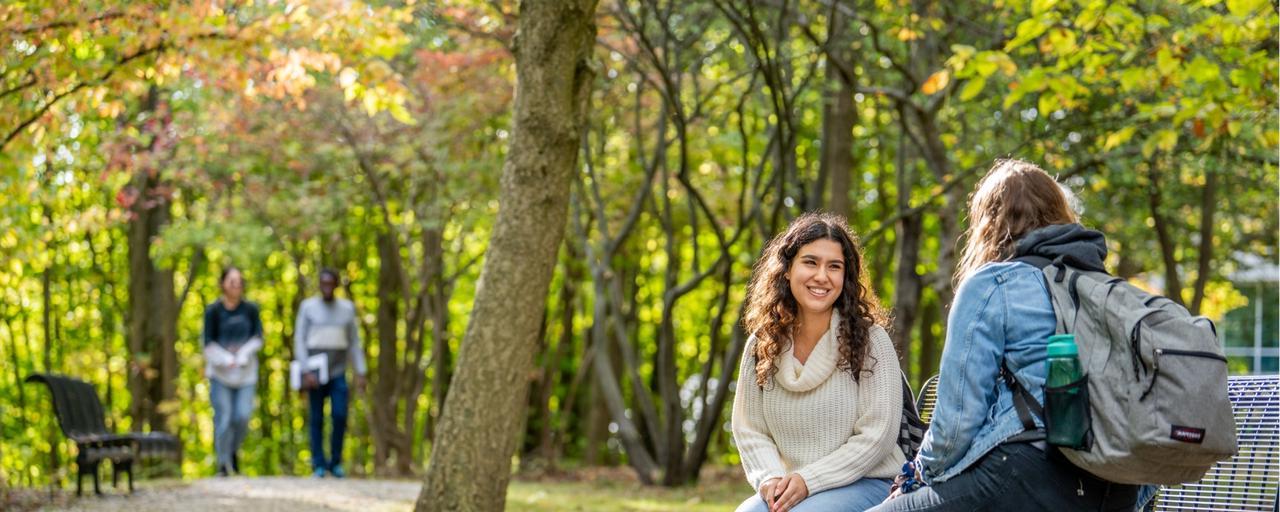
1021	477
1146	495
860	495
232	408
336	391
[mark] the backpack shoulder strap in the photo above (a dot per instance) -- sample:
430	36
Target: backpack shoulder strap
1043	264
1039	262
1025	404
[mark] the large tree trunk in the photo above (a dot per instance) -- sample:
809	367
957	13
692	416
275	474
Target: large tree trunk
383	402
152	310
906	294
907	282
153	305
949	214
838	117
471	462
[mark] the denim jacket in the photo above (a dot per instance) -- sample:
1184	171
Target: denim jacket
1001	312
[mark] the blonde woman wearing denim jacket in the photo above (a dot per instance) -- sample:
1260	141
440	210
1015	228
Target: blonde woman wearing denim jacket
976	454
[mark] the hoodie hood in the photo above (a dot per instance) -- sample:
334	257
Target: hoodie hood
1077	246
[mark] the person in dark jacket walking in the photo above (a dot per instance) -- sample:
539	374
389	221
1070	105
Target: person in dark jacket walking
232	337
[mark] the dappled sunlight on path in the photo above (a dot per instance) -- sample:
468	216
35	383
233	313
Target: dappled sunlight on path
589	490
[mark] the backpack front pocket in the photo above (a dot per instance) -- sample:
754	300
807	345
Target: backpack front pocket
1181	381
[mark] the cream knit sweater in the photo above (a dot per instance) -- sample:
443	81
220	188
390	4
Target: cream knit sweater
815	420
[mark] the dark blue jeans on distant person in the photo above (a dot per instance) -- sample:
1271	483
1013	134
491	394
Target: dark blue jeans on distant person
336	391
1019	477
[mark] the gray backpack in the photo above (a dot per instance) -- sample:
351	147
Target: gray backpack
1155	380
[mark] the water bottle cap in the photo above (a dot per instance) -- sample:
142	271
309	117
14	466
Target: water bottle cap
1063	345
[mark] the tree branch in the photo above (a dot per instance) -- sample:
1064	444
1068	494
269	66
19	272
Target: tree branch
142	52
66	23
31	80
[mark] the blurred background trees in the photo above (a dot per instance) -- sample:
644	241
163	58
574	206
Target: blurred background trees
147	145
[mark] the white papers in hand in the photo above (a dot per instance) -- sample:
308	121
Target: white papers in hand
318	363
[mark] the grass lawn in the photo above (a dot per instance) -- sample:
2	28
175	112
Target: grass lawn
617	491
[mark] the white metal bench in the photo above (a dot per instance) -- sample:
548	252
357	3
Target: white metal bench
1250	481
928	399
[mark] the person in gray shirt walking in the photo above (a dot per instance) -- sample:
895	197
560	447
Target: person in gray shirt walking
327	325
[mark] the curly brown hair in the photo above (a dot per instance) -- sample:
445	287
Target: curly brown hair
772	311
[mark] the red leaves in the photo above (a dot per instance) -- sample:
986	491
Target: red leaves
126	197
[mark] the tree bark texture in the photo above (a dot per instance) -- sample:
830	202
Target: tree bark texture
906	295
152	310
153	303
471	460
839	115
907	290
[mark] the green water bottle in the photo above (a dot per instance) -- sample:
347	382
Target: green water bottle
1066	394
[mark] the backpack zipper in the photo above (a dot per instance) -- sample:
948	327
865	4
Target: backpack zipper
1189	353
1155	373
1135	347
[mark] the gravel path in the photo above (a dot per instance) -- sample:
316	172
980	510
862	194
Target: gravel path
241	494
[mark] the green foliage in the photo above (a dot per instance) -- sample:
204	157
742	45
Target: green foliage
296	134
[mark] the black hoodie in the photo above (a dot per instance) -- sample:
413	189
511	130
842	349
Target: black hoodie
1079	247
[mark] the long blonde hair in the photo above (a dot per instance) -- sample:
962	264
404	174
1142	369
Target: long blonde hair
772	311
1013	199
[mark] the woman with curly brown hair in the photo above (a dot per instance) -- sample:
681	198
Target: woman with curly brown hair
819	396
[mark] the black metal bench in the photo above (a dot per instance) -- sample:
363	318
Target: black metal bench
81	418
1248	481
